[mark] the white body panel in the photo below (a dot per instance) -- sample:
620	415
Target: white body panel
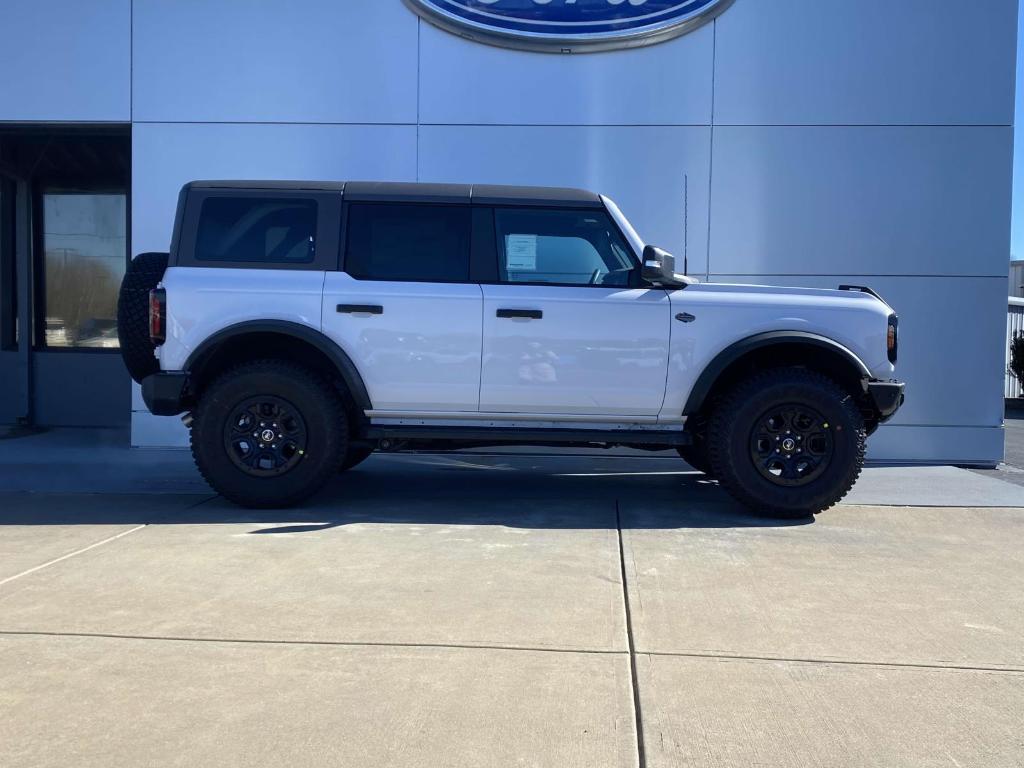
421	353
595	350
726	314
597	353
202	301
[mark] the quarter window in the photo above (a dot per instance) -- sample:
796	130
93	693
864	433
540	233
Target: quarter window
257	230
562	247
408	242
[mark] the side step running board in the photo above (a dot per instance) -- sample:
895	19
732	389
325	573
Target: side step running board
529	436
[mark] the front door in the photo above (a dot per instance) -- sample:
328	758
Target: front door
564	331
404	309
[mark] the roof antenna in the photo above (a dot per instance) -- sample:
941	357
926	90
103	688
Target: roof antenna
686	224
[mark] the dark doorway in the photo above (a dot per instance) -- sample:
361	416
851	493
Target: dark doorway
64	222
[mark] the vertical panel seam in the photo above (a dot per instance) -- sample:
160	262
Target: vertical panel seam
711	143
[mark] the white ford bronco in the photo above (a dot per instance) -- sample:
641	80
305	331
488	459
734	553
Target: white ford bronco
299	326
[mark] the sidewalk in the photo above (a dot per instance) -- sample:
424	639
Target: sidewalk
505	610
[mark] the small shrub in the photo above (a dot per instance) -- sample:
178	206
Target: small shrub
1017	357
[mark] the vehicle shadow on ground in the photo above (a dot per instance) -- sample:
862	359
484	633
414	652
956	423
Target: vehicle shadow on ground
452	489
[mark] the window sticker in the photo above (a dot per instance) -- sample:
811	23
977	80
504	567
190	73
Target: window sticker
521	253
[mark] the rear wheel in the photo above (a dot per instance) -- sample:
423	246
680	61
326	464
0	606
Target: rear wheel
268	434
787	442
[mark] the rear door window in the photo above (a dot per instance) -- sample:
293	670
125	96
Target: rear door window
408	242
257	230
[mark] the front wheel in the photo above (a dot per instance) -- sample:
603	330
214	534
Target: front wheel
697	457
268	434
787	442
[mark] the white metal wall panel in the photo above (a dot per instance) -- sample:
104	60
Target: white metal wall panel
861	200
468	83
952	336
65	60
165	156
237	60
644	169
870	62
902	444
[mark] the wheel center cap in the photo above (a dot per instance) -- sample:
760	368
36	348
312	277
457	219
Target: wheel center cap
267	435
788	444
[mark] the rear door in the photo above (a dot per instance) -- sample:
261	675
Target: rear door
248	254
565	331
404	309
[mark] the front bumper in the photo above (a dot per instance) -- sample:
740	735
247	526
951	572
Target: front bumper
886	397
164	393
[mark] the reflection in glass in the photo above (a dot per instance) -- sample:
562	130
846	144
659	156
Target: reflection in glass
84	246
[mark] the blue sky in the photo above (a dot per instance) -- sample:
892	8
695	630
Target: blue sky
1017	236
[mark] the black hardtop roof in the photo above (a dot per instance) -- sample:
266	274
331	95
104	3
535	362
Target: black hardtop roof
401	191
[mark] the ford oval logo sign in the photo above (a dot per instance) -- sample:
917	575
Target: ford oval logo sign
568	26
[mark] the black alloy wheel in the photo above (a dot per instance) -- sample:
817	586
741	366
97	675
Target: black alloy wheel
265	436
791	444
269	433
787	442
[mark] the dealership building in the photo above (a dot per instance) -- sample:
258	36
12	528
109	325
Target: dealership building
794	142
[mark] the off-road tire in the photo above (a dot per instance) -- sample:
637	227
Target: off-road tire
730	432
356	454
142	275
697	457
311	397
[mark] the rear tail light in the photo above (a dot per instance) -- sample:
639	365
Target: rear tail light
158	316
892	341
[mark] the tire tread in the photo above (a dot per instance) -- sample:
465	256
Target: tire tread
721	425
331	413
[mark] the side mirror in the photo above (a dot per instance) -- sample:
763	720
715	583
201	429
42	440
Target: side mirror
659	268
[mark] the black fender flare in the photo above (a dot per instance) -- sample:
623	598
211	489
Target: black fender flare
738	349
341	361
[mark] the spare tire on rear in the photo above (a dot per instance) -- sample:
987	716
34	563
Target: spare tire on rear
142	275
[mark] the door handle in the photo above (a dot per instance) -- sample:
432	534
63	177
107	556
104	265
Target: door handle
367	309
529	314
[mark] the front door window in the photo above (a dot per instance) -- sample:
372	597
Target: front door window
561	247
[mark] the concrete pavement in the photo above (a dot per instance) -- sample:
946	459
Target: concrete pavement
511	610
